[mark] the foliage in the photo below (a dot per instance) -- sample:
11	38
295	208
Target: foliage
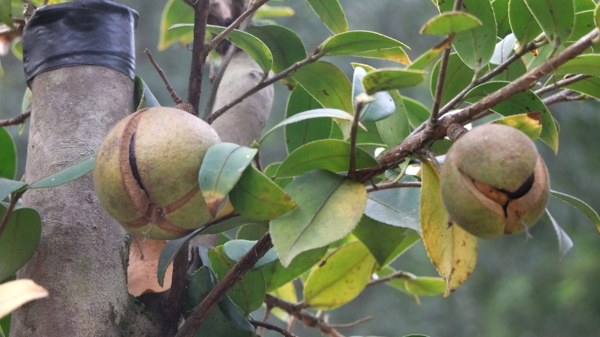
342	205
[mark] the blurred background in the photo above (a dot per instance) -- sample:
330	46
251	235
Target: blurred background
517	289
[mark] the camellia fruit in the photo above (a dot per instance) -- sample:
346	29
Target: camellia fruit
494	182
146	173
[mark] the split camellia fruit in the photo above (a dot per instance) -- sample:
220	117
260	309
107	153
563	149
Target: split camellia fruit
146	172
494	182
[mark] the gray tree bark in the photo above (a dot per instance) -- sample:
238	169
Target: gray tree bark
82	256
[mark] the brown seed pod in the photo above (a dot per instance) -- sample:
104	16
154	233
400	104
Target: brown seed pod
494	182
146	173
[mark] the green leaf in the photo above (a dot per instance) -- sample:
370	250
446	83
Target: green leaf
588	86
67	174
391	78
564	241
365	44
249	293
226	320
584	23
429	56
394	129
396	207
142	96
19	239
522	22
529	123
221	169
416	112
451	249
341	278
8	186
331	13
236	249
276	275
521	103
383	240
266	11
583	64
327	84
253	231
502	20
382	105
458	76
556	17
311	114
257	197
329	208
285	45
303	132
450	22
175	12
328	154
580	205
425	286
8	156
475	46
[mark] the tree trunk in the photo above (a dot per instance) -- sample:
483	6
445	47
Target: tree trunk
82	256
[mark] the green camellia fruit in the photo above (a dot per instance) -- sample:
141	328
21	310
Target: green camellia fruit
494	182
146	172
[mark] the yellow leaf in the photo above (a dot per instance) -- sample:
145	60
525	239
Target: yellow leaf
14	294
451	249
340	278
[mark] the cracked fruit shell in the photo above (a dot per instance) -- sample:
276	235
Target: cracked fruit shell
146	173
494	182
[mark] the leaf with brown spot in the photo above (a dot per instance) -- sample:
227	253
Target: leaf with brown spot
451	249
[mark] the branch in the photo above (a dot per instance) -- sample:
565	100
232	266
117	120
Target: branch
353	134
283	74
562	83
176	299
162	75
20	119
213	298
309	319
396	275
199	52
284	332
426	133
564	96
391	185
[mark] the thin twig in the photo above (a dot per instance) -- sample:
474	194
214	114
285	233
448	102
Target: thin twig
20	119
282	331
213	298
199	53
162	75
307	318
392	185
385	279
13	202
439	87
564	96
562	83
426	133
283	74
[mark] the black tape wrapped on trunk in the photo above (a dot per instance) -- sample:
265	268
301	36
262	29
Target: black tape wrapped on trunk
91	32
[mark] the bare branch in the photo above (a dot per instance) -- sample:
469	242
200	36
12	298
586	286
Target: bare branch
562	83
565	96
391	185
396	275
20	119
162	75
283	74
